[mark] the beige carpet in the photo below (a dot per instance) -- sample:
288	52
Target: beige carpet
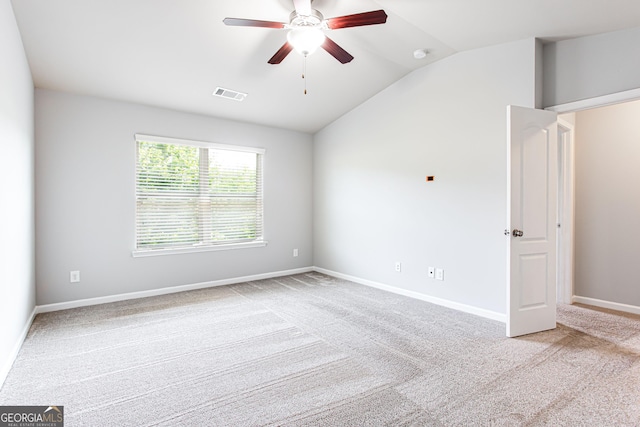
314	350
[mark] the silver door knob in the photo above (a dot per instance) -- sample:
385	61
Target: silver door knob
517	233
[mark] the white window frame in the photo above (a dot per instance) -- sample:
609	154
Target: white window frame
260	242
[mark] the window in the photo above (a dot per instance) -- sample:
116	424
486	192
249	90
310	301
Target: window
193	196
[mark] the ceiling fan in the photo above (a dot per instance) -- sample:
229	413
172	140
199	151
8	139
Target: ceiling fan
306	30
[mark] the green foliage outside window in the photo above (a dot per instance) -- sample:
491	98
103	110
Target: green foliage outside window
189	196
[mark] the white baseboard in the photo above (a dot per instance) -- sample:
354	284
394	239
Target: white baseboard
417	295
16	348
606	304
164	291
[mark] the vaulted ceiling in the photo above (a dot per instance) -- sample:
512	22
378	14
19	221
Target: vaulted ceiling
175	53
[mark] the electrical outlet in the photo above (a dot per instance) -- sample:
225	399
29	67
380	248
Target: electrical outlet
74	276
431	272
295	252
439	274
398	266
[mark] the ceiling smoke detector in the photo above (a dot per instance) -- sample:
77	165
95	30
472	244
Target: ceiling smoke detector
420	53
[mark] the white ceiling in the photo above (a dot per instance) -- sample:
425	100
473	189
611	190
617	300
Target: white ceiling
174	53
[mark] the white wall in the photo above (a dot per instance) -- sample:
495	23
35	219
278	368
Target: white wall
588	67
85	171
17	268
607	210
372	206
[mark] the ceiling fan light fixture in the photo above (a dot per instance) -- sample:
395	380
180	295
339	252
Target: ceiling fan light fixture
306	39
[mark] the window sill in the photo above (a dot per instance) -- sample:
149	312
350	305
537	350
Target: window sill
177	251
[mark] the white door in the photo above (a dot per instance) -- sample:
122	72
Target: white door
532	193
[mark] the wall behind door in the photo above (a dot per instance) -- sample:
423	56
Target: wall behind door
607	218
372	203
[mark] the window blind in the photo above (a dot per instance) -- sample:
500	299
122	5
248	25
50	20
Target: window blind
194	194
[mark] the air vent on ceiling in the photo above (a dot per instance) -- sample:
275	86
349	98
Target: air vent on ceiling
229	94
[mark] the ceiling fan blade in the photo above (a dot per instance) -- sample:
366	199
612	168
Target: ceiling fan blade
336	51
303	7
281	54
239	22
358	20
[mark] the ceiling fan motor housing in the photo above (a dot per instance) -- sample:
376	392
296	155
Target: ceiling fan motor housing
316	19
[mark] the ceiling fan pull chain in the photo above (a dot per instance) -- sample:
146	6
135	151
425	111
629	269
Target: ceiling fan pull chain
304	74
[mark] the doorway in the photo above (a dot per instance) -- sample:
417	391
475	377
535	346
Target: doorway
593	285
